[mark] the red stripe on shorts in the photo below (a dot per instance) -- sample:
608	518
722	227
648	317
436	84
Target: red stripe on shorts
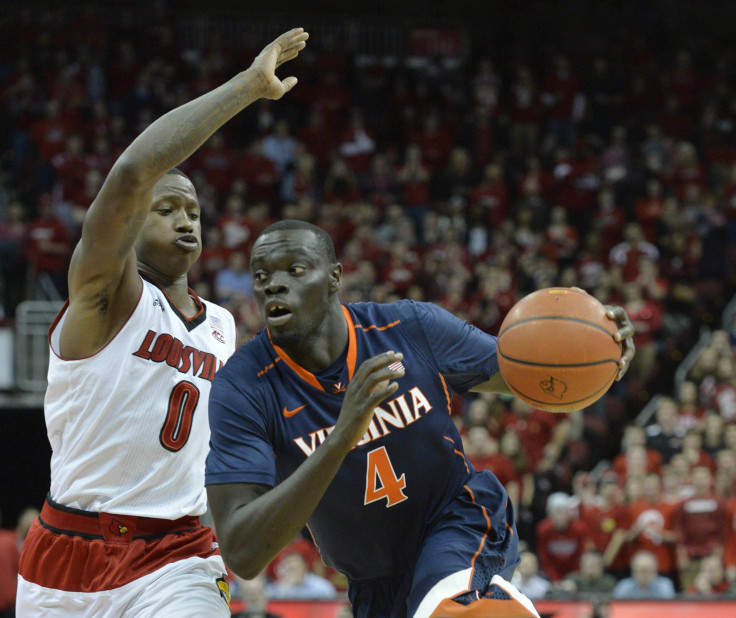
68	551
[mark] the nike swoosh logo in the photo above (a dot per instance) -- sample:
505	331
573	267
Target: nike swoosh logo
289	413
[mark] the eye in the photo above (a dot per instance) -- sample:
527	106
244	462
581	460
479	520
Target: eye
297	270
194	215
164	210
260	277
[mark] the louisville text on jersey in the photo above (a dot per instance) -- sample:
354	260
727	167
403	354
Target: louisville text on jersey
398	413
165	348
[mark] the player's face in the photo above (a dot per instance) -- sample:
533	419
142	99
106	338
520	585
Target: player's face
293	284
171	239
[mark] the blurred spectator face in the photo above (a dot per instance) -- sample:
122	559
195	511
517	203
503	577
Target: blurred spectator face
528	566
253	593
692	440
478	412
634	487
644	568
729	436
688	393
634	435
477	442
292	569
725	369
667	415
636	461
591	565
652	487
726	461
702	480
558	509
510	444
712	569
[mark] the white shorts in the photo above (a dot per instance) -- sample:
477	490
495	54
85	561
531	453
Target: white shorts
188	588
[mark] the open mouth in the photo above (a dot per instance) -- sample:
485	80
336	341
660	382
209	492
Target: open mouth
277	314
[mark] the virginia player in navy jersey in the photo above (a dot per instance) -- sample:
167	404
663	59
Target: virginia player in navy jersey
338	416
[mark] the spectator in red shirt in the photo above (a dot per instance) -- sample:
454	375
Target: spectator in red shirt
217	160
559	93
710	581
534	428
357	144
482	450
665	435
525	111
11	542
491	195
49	248
650	208
699	522
645	459
607	520
13	231
561	538
646	315
651	525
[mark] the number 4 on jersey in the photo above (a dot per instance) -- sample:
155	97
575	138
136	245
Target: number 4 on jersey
381	481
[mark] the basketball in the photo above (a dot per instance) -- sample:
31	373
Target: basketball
556	349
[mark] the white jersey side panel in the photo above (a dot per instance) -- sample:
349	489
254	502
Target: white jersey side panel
128	426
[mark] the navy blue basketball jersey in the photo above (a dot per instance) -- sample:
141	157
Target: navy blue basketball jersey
268	414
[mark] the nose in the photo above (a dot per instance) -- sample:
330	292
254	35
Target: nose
183	222
276	285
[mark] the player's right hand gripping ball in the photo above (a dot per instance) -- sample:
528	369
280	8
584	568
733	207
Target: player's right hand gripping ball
556	349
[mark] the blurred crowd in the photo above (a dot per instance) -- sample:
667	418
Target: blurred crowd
468	180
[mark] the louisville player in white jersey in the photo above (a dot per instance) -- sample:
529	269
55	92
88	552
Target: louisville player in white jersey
133	355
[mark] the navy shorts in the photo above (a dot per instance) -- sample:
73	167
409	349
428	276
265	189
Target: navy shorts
472	541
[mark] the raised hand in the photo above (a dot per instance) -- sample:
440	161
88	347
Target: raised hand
284	48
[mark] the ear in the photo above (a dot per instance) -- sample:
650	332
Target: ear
335	278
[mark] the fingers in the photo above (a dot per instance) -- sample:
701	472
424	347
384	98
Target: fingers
290	44
289	83
624	335
376	373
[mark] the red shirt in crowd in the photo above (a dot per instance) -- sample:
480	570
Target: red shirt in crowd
653	519
534	430
559	551
9	558
700	523
602	522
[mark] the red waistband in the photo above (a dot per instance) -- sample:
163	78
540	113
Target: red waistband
109	526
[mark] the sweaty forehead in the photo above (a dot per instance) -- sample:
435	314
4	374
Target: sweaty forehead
174	186
283	243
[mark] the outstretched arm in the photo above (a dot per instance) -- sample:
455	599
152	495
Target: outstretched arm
103	280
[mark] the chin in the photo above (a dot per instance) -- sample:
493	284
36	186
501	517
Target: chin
286	340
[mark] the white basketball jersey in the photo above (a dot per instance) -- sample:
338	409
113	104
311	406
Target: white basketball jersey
128	426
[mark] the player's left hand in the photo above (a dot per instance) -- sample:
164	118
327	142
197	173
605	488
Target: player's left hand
284	48
624	335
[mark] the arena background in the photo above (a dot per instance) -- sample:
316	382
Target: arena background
394	31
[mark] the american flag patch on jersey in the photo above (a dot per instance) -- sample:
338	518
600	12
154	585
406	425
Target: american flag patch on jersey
216	322
396	366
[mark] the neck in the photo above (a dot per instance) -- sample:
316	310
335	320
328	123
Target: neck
325	344
177	288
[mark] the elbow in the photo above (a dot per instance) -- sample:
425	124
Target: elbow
243	565
130	172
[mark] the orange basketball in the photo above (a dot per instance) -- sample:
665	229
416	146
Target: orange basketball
556	349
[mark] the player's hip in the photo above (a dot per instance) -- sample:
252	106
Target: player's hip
102	551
